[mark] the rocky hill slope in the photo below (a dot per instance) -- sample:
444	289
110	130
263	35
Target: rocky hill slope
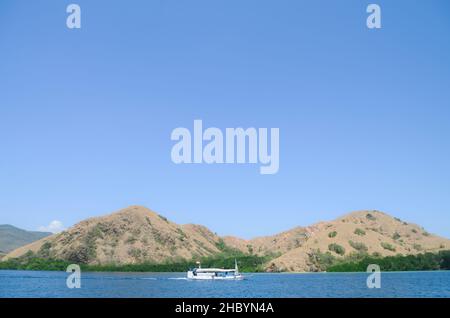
129	236
370	232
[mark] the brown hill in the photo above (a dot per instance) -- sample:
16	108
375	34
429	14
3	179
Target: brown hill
129	236
136	234
270	245
370	232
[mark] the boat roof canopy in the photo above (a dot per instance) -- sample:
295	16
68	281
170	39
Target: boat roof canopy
214	270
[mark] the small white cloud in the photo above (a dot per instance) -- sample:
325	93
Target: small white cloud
54	227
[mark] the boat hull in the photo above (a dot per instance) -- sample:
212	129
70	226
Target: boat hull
211	276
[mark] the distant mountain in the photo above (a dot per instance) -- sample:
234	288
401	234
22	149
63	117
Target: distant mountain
136	234
12	237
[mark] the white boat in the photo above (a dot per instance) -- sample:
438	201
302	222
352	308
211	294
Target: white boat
200	273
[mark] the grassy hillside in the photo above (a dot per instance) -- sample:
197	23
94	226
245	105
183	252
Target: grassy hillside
138	238
355	234
134	235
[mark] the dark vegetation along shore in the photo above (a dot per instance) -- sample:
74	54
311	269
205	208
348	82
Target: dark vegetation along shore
420	262
247	263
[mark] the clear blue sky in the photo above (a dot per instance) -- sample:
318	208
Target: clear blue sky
86	115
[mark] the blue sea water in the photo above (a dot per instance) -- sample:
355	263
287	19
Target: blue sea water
151	285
